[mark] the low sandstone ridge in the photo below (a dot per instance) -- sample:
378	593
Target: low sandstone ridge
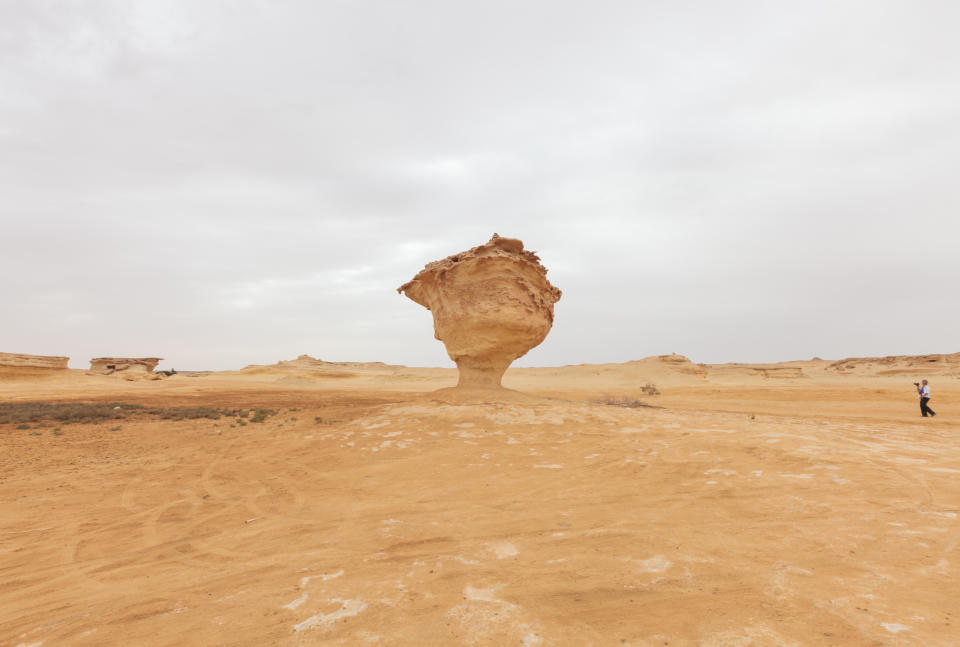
899	364
111	365
491	304
308	362
19	360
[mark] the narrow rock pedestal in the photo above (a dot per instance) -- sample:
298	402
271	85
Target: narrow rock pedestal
490	304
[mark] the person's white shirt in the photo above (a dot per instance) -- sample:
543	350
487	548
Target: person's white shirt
925	391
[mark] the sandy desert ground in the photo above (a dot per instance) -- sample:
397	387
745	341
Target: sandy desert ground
805	503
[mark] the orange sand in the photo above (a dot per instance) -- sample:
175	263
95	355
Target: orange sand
760	506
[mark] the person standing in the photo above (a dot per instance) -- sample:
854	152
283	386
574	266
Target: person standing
923	390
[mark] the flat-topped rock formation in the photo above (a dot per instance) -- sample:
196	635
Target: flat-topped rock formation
490	304
111	365
20	360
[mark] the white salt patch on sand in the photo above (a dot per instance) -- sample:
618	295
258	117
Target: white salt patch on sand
502	549
948	515
592	456
942	567
392	434
322	576
796	476
947	470
897	524
231	596
656	564
773	440
482	595
549	467
757	472
296	603
894	627
711	482
376	425
722	472
347	609
631	430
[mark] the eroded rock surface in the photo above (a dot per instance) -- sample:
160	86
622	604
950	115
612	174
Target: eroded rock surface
19	360
111	365
490	304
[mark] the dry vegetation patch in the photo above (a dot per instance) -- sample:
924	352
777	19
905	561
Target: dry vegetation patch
21	413
625	402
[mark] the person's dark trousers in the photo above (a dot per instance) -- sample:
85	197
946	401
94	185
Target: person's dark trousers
924	409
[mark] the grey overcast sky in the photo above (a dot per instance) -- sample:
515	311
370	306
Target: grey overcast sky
236	182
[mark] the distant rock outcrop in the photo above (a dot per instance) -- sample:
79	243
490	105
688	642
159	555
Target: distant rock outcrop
682	364
111	365
308	362
19	360
892	365
490	304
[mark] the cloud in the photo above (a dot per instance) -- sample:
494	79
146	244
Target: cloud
224	183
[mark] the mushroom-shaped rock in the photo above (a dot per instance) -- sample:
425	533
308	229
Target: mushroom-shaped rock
490	305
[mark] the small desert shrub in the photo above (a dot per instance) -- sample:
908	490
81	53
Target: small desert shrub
318	420
187	413
117	428
57	432
650	389
36	433
260	415
23	426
